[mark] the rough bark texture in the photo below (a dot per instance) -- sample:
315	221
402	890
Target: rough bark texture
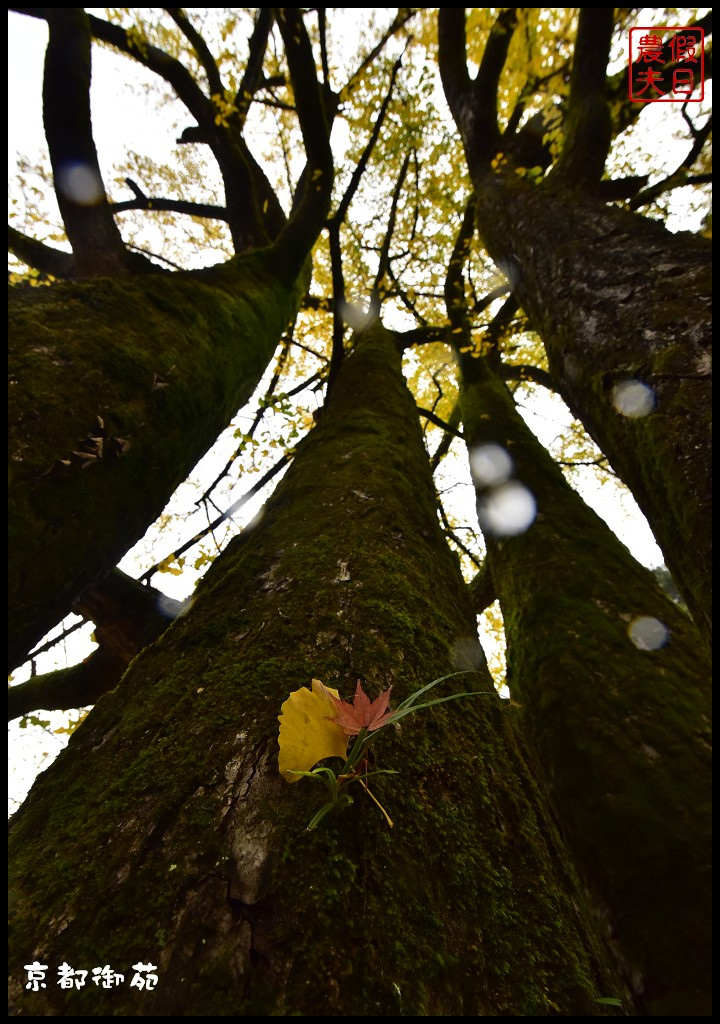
165	832
616	298
622	733
117	389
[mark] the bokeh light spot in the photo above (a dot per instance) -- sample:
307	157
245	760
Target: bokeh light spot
490	465
648	633
633	399
508	510
81	184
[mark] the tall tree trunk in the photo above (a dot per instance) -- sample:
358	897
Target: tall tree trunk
165	833
622	304
619	300
615	687
117	389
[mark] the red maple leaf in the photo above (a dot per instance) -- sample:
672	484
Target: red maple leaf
363	713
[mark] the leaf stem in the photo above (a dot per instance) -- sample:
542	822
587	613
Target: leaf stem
376	801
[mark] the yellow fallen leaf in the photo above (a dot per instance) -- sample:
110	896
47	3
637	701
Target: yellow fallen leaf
306	734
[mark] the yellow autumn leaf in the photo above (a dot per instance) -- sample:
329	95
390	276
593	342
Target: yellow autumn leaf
167	565
306	734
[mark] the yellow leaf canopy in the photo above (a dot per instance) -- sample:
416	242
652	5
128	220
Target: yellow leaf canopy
306	734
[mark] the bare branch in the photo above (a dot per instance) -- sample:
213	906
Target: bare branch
680	175
127	616
258	486
449	532
383	261
256	420
252	78
447	439
97	246
588	129
143	202
254	213
310	211
44	258
67	688
339	216
524	372
400	19
202	51
447	427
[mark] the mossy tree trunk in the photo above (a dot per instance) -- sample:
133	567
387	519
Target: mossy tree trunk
164	833
122	377
619	300
621	727
117	389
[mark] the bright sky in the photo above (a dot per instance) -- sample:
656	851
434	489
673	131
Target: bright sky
33	747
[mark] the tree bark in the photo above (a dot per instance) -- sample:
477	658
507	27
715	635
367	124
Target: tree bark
621	728
117	389
164	833
619	300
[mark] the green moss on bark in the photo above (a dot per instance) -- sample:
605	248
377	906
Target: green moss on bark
622	732
117	389
165	832
616	298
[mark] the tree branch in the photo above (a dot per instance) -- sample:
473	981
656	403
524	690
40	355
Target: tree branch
482	589
403	15
679	176
678	179
455	303
143	202
474	104
42	257
447	427
252	78
256	420
588	128
333	226
127	616
383	259
510	371
449	532
96	243
264	479
428	335
202	51
339	216
337	350
162	64
74	687
308	215
447	439
255	216
613	189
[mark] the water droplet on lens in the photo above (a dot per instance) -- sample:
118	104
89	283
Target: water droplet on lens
81	184
490	465
633	399
507	511
648	633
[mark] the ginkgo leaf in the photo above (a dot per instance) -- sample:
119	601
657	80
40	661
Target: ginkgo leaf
306	733
363	713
